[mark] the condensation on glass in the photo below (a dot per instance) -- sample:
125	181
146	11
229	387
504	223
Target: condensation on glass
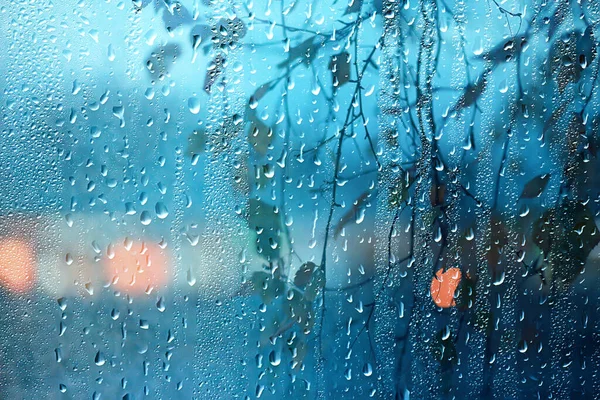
299	199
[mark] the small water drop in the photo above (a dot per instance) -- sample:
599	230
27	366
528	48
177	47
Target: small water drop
145	218
275	358
99	360
191	279
161	210
194	105
160	304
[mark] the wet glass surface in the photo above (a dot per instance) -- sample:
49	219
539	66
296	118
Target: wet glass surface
299	199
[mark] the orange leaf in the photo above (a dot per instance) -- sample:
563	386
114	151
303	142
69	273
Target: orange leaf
443	286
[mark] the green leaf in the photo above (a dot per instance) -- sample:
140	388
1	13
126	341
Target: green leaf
398	191
535	187
213	72
269	287
315	286
340	67
304	51
299	350
354	6
298	309
265	220
304	274
261	92
443	348
351	215
498	239
197	142
566	235
260	136
161	60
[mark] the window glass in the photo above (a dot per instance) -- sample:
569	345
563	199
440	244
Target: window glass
300	199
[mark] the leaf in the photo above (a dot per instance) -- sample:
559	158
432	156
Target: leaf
199	35
586	48
437	194
472	93
175	15
225	130
566	235
299	350
202	31
229	30
340	67
354	6
315	286
260	92
303	52
161	59
556	115
197	142
535	187
265	221
575	132
506	51
443	287
304	274
353	214
557	19
299	310
272	328
398	191
571	55
213	71
260	136
498	239
267	286
443	348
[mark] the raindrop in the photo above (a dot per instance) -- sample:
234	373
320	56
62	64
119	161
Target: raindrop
99	360
191	279
111	53
275	358
160	304
145	218
161	210
194	105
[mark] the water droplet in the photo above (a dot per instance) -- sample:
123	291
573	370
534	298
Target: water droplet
161	210
99	360
160	304
275	358
111	53
194	105
145	218
191	279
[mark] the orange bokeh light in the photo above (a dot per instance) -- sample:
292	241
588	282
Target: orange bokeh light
135	267
17	265
443	286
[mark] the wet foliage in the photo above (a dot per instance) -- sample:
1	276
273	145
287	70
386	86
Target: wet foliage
300	199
